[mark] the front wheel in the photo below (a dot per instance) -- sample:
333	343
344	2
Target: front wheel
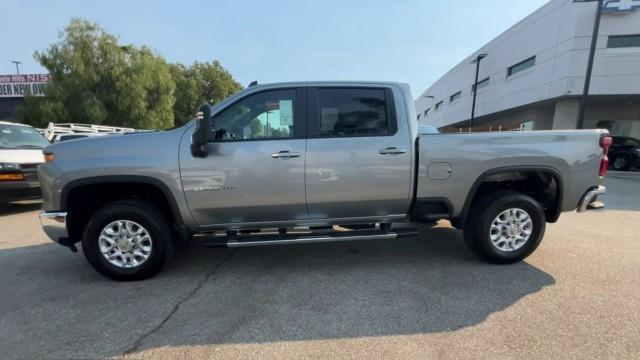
505	227
127	240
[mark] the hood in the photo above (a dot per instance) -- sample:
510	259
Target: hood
118	148
21	156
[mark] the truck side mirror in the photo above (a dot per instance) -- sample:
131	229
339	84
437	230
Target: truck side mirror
203	132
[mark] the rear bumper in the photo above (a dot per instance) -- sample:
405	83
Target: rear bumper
589	196
54	224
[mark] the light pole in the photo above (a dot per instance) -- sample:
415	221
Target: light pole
17	66
475	88
592	53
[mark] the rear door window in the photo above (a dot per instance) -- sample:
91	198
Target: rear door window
345	112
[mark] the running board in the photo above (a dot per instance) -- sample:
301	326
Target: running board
336	236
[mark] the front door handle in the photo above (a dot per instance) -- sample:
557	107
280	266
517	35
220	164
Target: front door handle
285	154
393	151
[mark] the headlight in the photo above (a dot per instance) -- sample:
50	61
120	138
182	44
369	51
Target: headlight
9	167
49	157
10	172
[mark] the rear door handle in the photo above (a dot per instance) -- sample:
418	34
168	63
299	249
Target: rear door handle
393	151
285	154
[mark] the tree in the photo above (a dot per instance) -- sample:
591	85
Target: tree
188	94
95	80
199	83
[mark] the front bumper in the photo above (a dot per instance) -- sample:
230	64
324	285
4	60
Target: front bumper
54	224
19	190
589	196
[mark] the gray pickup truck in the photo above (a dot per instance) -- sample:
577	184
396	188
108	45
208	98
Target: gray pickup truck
311	162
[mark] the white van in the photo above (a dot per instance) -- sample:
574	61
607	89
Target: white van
20	154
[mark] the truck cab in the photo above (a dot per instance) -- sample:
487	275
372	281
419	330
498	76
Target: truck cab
298	155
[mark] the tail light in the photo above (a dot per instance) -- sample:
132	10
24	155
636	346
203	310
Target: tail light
605	144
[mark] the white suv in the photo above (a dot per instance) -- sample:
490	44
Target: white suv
20	154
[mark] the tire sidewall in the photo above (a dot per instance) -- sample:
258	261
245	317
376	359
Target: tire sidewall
493	209
142	214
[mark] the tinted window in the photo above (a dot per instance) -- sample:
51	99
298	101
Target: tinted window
353	112
481	84
266	115
623	41
521	66
426	112
439	105
455	96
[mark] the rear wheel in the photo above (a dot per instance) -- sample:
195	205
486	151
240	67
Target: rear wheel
505	227
127	240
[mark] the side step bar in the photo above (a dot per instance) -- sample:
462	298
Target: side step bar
336	236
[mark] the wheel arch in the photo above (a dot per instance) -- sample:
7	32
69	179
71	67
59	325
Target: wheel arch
68	190
552	214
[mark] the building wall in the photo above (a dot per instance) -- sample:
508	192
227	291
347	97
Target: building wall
558	34
539	117
619	120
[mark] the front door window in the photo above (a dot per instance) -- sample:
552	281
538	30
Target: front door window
266	115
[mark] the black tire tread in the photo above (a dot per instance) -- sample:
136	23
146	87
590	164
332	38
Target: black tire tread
155	221
484	210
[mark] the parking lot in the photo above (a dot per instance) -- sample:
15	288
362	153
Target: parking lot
577	296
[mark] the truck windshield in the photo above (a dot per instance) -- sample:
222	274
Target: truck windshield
20	137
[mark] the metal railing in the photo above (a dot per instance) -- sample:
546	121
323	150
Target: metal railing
71	128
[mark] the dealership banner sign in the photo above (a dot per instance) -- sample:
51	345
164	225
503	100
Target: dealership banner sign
20	85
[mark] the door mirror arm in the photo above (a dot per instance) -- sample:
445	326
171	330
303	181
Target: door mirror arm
203	132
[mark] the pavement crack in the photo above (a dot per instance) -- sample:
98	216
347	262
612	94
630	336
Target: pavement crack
136	345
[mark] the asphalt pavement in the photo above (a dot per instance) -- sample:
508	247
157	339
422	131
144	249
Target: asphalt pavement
576	297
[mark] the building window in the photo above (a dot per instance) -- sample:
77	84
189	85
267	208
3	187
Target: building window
439	105
521	66
419	116
481	84
455	96
623	41
426	112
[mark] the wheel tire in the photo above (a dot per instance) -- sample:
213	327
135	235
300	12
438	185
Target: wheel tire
621	163
140	212
486	209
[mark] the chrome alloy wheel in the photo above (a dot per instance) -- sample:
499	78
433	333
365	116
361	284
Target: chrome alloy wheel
125	244
511	229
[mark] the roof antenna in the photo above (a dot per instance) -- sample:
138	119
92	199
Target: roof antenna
253	83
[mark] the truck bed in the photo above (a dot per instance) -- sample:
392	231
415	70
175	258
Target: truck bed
451	164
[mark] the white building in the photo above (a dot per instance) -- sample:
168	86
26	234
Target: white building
534	73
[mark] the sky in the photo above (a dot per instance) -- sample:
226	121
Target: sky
413	41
